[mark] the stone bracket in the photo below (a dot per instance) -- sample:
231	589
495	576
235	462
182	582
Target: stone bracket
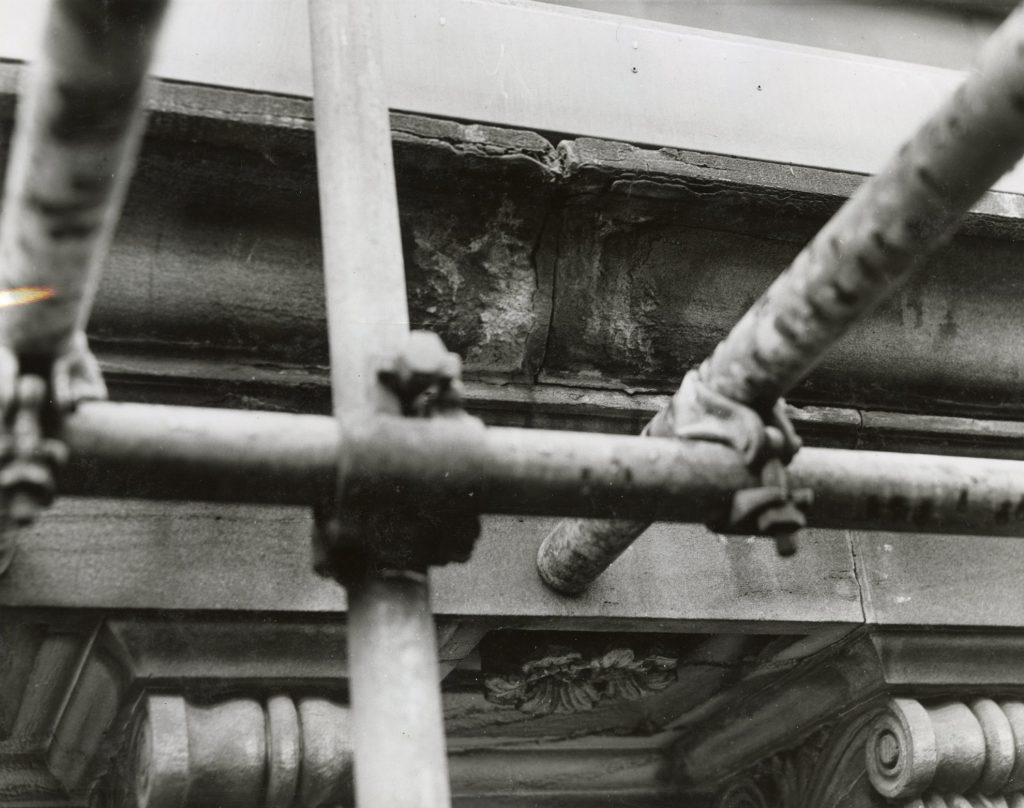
924	754
239	753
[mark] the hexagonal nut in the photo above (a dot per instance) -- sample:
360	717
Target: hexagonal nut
27	474
426	355
783	518
423	364
76	375
25	503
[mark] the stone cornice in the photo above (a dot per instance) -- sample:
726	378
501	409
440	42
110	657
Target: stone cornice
593	264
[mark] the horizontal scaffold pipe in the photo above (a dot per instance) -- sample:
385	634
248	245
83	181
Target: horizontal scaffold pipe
858	258
192	453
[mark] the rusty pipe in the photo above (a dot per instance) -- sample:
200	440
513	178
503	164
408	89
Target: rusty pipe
859	257
78	130
194	453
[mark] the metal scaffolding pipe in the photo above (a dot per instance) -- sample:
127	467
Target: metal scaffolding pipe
78	129
192	453
862	255
400	759
148	451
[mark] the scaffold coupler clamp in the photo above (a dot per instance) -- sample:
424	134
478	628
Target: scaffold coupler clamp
34	396
766	443
426	379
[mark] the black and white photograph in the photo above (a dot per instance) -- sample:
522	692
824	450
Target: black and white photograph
511	404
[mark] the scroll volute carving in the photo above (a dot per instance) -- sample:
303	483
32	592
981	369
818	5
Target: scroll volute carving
744	793
241	753
953	753
898	753
825	770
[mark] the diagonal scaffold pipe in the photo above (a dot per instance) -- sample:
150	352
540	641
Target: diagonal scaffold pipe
79	126
860	257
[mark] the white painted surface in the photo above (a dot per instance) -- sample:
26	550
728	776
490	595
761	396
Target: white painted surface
931	33
570	71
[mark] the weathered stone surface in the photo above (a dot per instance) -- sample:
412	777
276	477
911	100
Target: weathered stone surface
115	555
226	256
670	249
218	249
474	201
596	264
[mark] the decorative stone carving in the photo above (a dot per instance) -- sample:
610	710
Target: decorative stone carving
826	770
934	800
795	773
899	752
744	793
951	753
61	688
569	682
241	753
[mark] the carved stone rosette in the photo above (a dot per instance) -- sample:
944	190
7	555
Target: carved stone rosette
960	754
570	682
241	753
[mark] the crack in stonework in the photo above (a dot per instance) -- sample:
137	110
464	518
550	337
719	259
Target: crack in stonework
548	250
863	591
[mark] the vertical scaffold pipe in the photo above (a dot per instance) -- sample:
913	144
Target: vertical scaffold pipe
78	129
858	258
398	730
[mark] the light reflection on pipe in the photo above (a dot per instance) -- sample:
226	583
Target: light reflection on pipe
23	295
